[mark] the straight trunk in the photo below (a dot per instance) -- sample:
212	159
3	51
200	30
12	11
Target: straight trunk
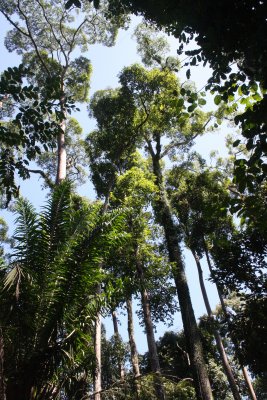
61	147
224	309
225	362
194	345
117	339
151	342
249	384
134	353
2	379
97	345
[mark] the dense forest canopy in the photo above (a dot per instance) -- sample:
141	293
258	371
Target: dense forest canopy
162	211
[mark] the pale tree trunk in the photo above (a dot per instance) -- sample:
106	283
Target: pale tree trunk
97	346
61	147
134	353
151	342
225	362
194	345
249	384
2	379
117	339
224	309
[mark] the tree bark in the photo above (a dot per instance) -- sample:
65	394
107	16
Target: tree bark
134	353
224	309
61	147
97	345
225	362
151	342
117	339
2	378
194	346
249	383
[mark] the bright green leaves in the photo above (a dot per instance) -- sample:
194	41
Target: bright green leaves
136	187
162	107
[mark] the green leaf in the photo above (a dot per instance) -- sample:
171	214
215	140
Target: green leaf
217	99
180	102
250	144
192	107
188	74
236	142
202	102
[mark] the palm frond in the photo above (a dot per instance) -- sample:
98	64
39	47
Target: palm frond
13	278
27	233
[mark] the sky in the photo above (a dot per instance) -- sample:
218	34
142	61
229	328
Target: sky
107	63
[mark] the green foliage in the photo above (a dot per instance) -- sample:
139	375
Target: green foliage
114	351
48	294
30	129
152	47
109	148
260	385
248	328
200	200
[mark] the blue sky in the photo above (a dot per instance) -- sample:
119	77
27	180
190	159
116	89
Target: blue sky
107	63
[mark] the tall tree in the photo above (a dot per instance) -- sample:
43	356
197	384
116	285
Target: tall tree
156	96
201	199
46	34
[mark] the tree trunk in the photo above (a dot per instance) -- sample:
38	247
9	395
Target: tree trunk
151	342
97	345
117	339
2	379
61	147
224	309
194	346
249	383
134	353
225	362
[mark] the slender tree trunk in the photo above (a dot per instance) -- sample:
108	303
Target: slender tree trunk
61	147
97	377
215	281
249	383
134	353
151	342
97	346
194	345
2	378
117	339
224	309
225	362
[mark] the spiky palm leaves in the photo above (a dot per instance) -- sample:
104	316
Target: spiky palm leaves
48	296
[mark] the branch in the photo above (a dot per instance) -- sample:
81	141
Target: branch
48	181
71	44
15	25
150	147
53	32
173	143
234	190
31	38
